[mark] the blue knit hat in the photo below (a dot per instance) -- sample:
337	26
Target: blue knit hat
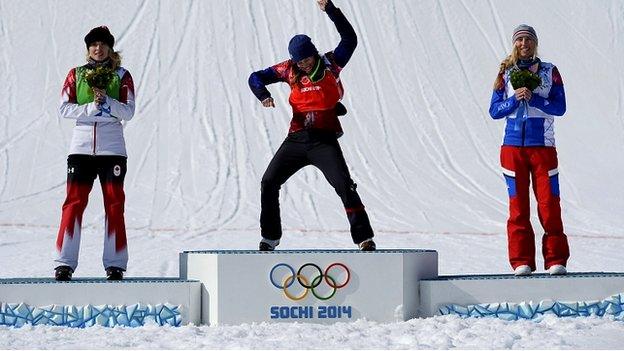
524	30
300	47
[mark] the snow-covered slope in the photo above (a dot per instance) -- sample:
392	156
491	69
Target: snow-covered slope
418	140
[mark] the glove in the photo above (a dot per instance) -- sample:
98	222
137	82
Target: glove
340	109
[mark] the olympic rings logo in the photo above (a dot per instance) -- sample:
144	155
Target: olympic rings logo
310	284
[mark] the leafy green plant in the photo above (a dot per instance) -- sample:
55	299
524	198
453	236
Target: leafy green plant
522	78
99	77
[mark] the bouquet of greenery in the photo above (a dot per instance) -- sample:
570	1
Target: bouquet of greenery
99	77
523	78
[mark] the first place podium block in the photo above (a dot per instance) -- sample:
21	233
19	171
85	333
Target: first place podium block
320	286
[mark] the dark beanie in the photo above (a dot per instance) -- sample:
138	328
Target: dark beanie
524	30
301	47
100	34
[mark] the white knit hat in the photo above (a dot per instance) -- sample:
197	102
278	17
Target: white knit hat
524	30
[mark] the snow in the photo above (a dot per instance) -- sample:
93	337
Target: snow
430	333
418	141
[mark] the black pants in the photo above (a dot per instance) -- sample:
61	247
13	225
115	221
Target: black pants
322	150
85	168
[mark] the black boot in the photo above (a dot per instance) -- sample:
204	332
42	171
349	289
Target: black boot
63	273
114	273
265	247
268	244
367	245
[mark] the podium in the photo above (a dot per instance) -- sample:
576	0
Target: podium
320	286
225	287
94	301
508	297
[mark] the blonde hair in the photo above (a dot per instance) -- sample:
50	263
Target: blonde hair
114	56
508	62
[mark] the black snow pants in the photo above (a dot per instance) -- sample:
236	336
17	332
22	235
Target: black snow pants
321	149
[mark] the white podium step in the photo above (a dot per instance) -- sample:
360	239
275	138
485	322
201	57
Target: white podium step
321	286
529	297
95	301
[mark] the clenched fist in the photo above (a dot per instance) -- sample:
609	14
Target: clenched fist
268	102
322	4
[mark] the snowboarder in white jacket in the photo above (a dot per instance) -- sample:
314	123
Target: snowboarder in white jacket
97	150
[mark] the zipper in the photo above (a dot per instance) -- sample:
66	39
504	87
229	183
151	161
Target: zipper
314	73
94	137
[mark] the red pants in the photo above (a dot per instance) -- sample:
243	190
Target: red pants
81	173
520	165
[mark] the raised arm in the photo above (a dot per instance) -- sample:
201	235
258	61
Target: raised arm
348	38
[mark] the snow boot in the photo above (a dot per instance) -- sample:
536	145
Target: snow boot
557	269
268	245
63	273
367	245
114	273
522	270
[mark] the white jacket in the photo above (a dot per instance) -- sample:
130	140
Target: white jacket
98	132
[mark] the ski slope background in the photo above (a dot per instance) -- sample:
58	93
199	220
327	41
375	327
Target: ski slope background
418	140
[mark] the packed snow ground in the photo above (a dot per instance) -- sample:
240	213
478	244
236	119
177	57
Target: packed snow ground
430	333
156	254
418	141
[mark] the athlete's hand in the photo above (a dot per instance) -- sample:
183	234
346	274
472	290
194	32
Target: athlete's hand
268	102
322	4
99	95
523	94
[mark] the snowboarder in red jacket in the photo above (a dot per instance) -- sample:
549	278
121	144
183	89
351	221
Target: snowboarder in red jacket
315	97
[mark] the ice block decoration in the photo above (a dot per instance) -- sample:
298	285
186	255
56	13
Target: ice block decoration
19	314
612	307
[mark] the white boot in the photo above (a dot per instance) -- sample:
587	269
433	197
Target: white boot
522	270
557	269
